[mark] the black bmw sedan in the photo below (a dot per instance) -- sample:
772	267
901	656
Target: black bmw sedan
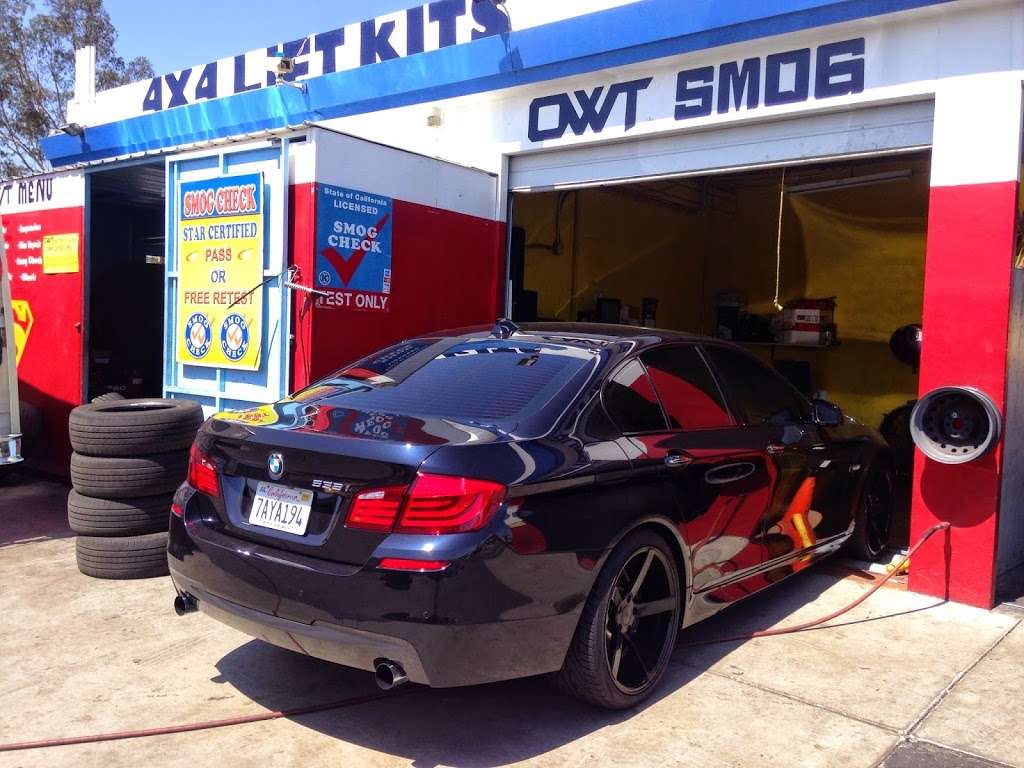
491	503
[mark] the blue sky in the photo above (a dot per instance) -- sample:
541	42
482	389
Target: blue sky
177	34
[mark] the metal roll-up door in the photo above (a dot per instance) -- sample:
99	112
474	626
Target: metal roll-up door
866	130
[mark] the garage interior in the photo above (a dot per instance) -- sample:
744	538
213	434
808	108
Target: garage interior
718	255
126	281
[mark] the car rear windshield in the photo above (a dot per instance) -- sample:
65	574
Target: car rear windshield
502	383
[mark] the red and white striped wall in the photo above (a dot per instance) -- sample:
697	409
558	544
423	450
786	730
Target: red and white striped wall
969	271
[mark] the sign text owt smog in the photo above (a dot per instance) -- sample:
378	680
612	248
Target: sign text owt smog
774	80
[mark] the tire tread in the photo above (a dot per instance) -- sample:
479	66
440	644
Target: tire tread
116	477
139	516
131	557
110	428
583	674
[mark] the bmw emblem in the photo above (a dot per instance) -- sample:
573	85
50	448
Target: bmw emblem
275	466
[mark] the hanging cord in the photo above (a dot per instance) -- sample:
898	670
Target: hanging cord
778	243
251	291
290	275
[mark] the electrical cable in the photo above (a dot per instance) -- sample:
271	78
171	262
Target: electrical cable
356	700
778	242
202	725
816	623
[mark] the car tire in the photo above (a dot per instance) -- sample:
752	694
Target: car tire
134	427
131	557
107	397
591	672
115	478
873	516
90	516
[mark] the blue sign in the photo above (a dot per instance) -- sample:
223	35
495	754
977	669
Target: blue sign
353	247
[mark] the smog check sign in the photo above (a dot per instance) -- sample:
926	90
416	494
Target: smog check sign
353	248
220	263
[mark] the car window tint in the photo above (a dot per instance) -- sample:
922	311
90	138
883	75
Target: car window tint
631	402
380	363
686	387
495	382
758	392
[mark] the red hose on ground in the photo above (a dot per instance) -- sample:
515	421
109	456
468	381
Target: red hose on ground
202	725
835	614
356	700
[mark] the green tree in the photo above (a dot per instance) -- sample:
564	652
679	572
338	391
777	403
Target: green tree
37	76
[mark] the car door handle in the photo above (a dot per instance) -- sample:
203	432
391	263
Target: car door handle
677	459
729	473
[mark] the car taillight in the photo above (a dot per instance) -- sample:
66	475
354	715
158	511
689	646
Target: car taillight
376	509
435	504
443	504
202	472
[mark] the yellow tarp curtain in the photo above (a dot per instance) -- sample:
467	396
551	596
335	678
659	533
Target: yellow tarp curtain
835	243
874	266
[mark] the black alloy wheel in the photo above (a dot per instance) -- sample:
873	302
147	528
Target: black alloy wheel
628	628
642	608
874	517
878	512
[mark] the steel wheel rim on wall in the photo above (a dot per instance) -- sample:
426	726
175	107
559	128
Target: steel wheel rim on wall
641	612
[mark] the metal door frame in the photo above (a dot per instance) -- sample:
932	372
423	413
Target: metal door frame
218	395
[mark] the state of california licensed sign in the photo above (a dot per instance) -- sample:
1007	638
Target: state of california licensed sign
220	262
353	248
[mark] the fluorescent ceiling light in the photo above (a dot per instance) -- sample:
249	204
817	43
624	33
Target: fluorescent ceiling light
852	181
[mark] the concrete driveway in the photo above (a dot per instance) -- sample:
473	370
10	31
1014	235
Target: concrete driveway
904	681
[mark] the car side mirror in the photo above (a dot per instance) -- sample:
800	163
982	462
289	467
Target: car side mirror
827	414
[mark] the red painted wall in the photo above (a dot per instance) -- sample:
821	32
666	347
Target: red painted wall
447	271
301	241
50	371
968	273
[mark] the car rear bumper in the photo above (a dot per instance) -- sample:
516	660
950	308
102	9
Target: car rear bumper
431	624
331	642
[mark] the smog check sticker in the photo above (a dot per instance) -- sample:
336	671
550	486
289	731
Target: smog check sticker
197	335
234	337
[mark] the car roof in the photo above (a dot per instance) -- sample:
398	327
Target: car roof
586	333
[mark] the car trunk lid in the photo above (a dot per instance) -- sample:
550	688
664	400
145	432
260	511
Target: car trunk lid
332	454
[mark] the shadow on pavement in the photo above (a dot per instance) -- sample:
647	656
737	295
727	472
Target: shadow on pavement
32	509
487	725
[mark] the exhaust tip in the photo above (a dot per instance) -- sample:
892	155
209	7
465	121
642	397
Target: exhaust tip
389	674
185	604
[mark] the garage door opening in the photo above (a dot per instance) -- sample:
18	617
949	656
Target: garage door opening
126	277
714	255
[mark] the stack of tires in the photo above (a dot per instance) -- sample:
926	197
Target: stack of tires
129	457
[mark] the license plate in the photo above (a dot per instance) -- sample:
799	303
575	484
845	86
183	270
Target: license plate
281	508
